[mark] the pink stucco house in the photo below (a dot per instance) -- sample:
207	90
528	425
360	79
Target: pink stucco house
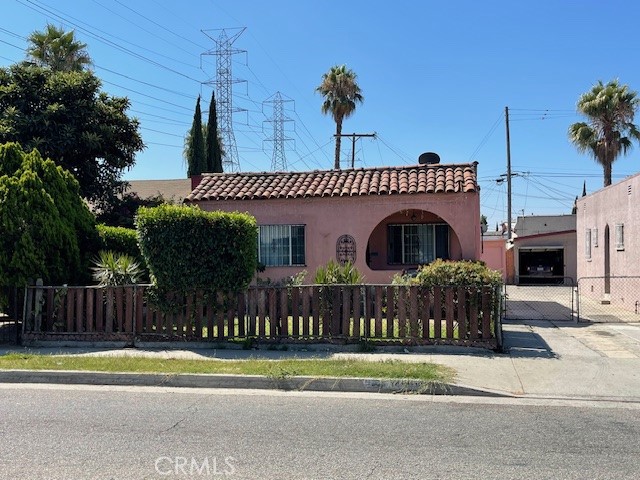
608	225
493	251
385	219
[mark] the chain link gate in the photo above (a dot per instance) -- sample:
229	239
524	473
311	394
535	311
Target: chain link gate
541	302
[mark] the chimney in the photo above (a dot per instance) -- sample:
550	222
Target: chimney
195	181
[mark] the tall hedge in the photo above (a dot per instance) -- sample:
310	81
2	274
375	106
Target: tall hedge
188	249
119	240
46	229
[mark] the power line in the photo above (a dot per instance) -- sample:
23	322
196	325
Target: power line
159	25
145	95
159	131
399	153
138	26
487	136
168	90
124	76
40	9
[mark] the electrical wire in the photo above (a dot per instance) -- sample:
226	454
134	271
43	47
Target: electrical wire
486	137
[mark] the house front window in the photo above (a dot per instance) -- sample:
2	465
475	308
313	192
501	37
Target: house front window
417	244
281	245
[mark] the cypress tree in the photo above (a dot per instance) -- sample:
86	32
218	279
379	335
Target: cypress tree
214	152
195	151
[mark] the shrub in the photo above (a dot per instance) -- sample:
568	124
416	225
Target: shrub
120	240
113	269
462	273
290	281
187	249
47	229
336	274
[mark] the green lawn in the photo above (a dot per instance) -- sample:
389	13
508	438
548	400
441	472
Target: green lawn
278	368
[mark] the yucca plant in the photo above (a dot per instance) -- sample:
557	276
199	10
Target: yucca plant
114	269
336	274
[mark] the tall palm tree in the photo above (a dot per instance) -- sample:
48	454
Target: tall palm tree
341	94
610	130
58	50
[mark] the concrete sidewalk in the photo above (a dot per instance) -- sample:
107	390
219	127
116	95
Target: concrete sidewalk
543	359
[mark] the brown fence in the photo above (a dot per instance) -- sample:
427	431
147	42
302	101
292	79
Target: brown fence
315	313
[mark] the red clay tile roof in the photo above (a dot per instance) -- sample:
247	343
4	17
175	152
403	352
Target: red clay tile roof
332	183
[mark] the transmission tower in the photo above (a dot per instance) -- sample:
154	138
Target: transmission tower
278	159
223	85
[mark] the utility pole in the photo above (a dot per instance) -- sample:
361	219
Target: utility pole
353	143
506	118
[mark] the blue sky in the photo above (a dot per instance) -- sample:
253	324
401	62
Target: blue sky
436	76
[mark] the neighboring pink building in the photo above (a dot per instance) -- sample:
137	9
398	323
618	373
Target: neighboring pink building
608	225
493	252
385	219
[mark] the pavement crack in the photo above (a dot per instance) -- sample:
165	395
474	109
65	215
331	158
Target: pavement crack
517	376
174	425
191	409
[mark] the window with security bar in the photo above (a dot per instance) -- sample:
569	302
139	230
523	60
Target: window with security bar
619	236
281	245
417	244
587	243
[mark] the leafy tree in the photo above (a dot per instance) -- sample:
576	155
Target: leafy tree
58	50
609	131
123	209
214	151
47	229
195	149
67	118
341	94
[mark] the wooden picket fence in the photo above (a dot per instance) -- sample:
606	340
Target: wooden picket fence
313	313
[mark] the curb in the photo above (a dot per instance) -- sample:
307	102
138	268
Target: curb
259	382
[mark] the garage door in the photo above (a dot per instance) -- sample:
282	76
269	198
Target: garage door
540	265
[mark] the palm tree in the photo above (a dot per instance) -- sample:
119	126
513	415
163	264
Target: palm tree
58	50
610	110
341	94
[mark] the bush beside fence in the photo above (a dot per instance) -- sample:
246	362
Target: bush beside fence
314	313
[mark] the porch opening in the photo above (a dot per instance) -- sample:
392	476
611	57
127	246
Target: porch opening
409	238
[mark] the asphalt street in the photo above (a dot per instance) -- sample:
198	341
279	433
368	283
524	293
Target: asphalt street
98	432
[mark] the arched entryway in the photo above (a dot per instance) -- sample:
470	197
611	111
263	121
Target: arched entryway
409	238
